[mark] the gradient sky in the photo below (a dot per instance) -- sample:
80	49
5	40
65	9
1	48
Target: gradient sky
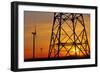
43	22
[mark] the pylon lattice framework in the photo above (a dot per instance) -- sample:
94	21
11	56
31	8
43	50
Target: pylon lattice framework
69	37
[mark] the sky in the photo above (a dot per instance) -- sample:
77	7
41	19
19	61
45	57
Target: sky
43	22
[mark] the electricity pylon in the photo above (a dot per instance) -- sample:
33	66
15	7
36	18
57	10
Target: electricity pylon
69	37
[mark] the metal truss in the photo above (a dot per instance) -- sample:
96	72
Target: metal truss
69	37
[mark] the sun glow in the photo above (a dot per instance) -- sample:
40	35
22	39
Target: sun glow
43	23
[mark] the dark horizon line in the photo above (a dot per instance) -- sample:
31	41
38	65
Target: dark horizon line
63	58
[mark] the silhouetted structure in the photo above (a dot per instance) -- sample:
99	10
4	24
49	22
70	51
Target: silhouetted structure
69	37
34	37
41	51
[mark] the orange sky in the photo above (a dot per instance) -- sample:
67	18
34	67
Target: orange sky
43	22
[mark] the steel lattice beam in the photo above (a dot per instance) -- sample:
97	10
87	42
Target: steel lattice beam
61	39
